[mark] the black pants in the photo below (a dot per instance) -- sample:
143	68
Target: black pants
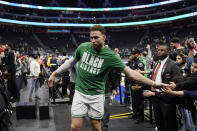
12	88
105	119
72	91
19	82
165	115
24	78
65	82
138	104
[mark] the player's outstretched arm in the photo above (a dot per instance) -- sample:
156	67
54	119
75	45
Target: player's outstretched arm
140	78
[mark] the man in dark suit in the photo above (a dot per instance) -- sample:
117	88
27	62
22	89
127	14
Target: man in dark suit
165	71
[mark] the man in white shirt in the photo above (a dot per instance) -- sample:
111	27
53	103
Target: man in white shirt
34	73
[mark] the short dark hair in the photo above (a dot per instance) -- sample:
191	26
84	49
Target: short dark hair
167	47
159	42
98	28
135	51
175	40
35	56
64	53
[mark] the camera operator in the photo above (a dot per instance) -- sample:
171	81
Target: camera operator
10	73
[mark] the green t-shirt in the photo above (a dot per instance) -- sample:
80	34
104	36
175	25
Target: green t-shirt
93	68
145	64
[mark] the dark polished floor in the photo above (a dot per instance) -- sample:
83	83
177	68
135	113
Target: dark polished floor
60	117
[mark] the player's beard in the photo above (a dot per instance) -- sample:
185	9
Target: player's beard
97	47
163	57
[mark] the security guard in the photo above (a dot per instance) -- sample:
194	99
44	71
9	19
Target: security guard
137	97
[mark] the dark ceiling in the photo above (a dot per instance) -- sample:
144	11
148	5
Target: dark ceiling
86	3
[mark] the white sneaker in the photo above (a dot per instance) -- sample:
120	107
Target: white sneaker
130	107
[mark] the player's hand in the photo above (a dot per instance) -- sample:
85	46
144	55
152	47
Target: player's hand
137	70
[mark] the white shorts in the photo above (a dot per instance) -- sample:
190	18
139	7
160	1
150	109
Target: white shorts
91	105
